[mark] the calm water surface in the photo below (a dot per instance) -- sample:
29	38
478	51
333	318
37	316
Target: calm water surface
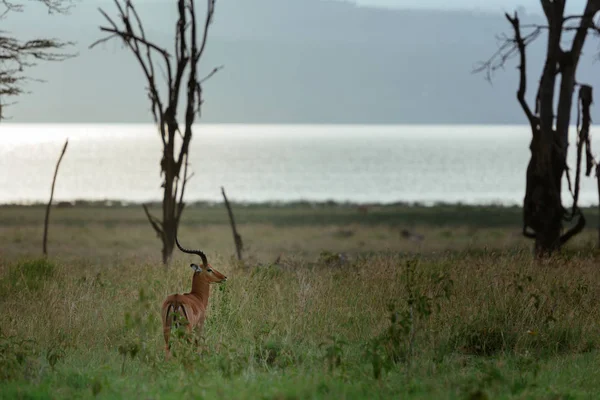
469	164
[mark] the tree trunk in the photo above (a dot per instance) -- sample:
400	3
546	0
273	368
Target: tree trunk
169	199
549	149
547	240
542	208
168	242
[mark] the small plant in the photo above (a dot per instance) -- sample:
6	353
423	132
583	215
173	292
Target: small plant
484	340
142	324
16	357
478	387
528	368
54	354
129	349
223	312
396	343
230	362
269	350
334	352
377	356
273	353
96	387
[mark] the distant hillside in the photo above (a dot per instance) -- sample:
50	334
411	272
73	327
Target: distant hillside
293	61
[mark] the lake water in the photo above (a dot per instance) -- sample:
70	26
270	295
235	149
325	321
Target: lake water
381	163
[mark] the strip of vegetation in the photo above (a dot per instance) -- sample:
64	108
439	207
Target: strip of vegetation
288	215
380	326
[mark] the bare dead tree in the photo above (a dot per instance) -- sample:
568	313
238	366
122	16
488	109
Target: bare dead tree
153	59
237	238
543	213
47	219
17	55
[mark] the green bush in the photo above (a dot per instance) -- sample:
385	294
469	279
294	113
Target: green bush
30	274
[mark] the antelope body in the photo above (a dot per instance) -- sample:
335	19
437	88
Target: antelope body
190	306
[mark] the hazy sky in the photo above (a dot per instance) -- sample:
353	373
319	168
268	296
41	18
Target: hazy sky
354	64
491	5
439	3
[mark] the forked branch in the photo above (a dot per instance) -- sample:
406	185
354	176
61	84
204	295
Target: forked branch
155	222
509	48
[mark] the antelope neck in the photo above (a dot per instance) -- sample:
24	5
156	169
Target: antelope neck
200	289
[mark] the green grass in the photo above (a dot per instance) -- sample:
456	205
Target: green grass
464	313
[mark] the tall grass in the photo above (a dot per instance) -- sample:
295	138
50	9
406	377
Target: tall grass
380	319
352	309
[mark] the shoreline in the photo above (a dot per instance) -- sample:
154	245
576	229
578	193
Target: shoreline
116	203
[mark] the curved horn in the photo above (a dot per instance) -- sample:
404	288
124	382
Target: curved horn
198	252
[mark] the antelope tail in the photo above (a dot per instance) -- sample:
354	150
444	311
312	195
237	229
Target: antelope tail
175	313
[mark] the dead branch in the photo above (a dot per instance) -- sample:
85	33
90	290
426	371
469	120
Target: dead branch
583	139
521	43
509	48
237	239
155	222
214	71
570	17
47	218
574	230
127	37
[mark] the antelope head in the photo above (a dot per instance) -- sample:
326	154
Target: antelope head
204	272
208	273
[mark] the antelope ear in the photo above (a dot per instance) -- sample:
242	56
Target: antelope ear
196	268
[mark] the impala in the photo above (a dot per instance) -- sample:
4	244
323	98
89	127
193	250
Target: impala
191	306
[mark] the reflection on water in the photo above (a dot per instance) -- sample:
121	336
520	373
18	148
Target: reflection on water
377	163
